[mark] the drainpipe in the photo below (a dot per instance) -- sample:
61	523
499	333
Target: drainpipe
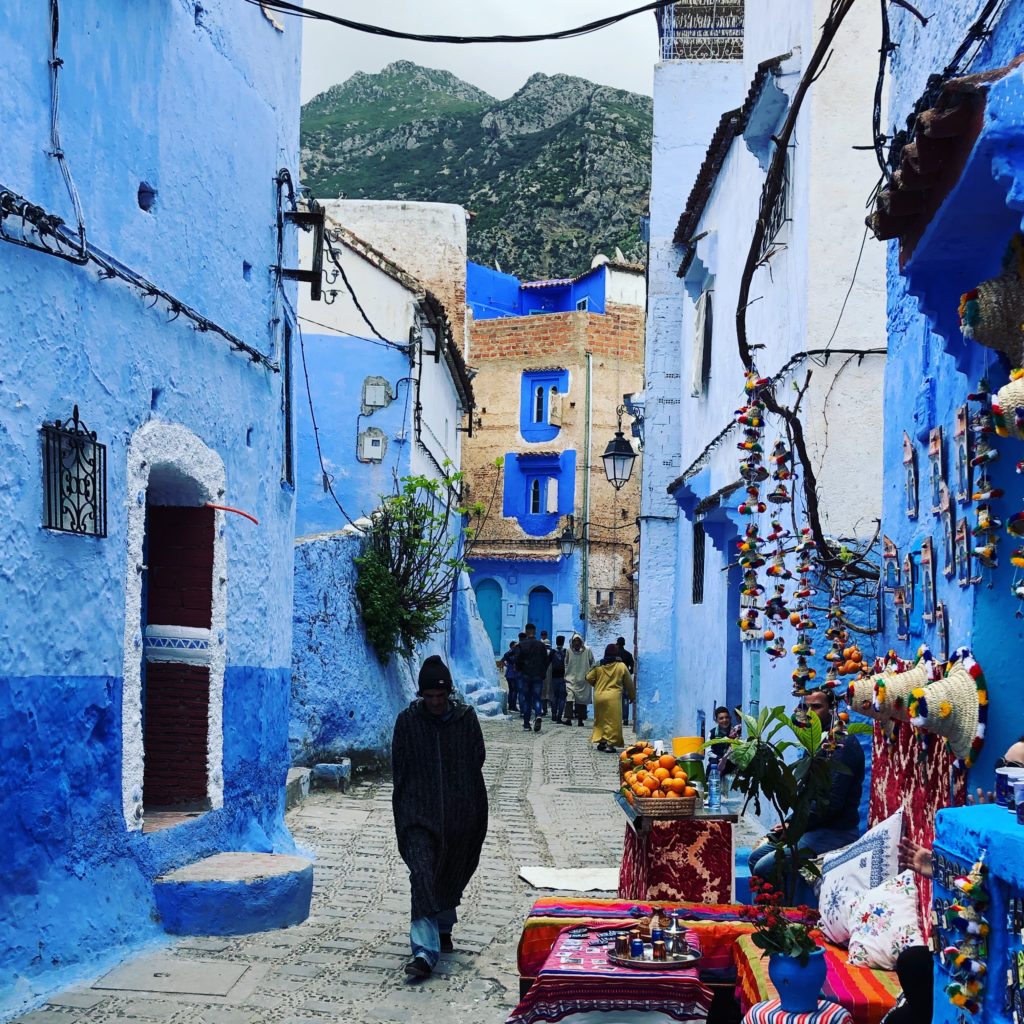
588	430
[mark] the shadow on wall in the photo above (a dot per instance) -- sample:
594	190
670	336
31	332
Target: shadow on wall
344	701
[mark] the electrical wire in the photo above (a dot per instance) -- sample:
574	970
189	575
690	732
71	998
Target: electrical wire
57	152
286	7
349	334
333	255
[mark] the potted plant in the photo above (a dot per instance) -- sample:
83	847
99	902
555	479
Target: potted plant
796	963
763	768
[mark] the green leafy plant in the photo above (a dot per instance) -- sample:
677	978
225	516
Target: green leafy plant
793	787
776	930
416	549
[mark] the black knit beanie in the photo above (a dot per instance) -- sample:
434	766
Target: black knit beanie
434	675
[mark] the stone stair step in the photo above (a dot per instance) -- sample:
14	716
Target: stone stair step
235	893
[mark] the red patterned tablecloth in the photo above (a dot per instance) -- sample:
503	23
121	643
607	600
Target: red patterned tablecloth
680	859
578	978
771	1012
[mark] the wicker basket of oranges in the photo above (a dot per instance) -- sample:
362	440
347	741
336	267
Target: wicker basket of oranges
656	785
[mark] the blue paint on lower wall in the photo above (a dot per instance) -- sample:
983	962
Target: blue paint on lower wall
235	908
76	890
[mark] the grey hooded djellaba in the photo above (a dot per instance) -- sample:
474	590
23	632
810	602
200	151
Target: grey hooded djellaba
439	802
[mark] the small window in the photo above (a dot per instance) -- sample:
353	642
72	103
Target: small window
611	598
703	328
536	498
600	595
583	304
697	596
778	215
538	404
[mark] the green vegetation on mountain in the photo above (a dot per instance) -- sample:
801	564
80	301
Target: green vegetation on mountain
553	175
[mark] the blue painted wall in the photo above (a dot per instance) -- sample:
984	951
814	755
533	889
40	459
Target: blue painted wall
553	471
531	428
491	294
932	369
147	94
337	368
517	577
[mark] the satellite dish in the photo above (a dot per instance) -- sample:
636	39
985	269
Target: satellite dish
497	267
599	260
619	256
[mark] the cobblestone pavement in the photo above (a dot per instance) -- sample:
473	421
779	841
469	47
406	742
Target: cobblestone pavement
549	804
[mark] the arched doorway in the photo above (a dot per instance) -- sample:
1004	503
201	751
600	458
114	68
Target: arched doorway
539	610
488	602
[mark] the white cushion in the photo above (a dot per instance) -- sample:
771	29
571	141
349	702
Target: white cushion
849	872
884	923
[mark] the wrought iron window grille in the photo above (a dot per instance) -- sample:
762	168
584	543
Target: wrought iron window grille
778	215
702	30
74	478
697	594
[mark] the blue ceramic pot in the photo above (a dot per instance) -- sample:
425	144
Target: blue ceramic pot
799	987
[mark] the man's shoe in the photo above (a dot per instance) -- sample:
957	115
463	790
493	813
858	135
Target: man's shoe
447	946
580	724
526	726
417	967
536	725
602	746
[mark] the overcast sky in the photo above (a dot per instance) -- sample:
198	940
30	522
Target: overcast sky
622	56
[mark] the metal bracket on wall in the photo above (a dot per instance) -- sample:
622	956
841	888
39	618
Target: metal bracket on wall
309	220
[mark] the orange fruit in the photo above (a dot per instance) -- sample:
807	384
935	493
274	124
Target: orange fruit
667	761
643	791
661	774
856	655
624	756
678	773
678	786
689	791
629	796
658	793
638	759
630	777
672	795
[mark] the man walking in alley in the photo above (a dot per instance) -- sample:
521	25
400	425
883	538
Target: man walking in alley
578	662
508	660
556	666
440	809
532	663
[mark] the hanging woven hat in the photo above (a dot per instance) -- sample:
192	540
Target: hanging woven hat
955	707
1008	407
859	697
992	315
892	690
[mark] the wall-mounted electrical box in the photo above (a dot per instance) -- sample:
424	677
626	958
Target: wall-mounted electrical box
372	445
376	394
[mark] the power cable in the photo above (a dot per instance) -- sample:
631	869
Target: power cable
332	253
285	7
349	334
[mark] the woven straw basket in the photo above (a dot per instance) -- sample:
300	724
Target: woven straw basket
1000	316
898	687
1009	399
652	807
951	709
859	697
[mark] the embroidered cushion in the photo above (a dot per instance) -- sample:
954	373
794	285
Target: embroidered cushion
883	923
849	872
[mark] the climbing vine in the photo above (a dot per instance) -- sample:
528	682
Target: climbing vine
416	548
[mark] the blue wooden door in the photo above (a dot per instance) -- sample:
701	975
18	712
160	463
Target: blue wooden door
539	610
488	601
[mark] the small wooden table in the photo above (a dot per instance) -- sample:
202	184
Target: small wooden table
677	859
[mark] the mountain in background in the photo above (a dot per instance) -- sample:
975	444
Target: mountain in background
553	175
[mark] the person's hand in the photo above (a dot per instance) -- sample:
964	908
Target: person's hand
980	797
916	857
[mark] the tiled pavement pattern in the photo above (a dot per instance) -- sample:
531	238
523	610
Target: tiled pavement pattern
549	804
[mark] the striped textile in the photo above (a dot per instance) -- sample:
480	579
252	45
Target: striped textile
771	1012
717	926
578	978
866	993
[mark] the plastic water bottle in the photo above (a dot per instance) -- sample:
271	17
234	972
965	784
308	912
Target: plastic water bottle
714	789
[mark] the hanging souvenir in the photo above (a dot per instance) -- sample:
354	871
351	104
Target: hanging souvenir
948	524
909	477
899	603
962	447
941	632
935	474
927	581
909	581
963	554
890	565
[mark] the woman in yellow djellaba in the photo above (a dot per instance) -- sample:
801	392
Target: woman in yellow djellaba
609	680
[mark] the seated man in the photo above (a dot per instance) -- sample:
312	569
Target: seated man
837	824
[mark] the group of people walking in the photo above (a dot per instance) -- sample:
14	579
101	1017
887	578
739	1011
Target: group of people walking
561	681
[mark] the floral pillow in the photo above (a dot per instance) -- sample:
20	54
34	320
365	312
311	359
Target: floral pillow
849	872
883	922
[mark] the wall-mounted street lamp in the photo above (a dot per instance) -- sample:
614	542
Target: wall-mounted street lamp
618	457
567	541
